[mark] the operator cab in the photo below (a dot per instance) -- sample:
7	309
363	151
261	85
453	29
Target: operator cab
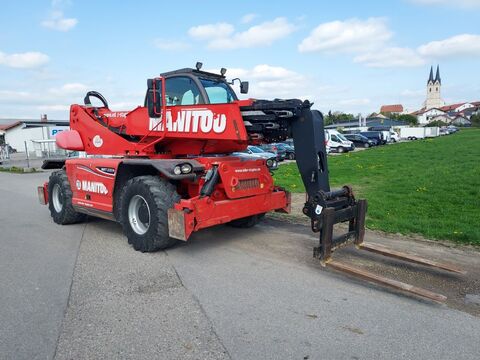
191	87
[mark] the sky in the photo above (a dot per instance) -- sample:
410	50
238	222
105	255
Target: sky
350	56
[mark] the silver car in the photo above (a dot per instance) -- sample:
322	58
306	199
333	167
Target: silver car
256	152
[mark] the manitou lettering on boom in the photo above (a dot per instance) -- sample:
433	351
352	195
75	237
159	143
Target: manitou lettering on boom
202	120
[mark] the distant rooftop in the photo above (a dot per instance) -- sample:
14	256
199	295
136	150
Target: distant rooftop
396	108
6	124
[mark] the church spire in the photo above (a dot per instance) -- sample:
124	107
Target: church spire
430	78
437	77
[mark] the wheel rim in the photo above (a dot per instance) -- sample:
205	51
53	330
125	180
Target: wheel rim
57	198
139	214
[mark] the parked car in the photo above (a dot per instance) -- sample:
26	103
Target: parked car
289	142
360	140
289	150
452	129
337	142
273	148
394	136
386	132
374	135
256	152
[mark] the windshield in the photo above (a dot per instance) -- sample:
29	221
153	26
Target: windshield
218	91
255	149
341	137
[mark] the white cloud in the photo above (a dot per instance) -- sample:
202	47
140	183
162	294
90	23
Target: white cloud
347	36
58	22
13	96
267	81
248	18
459	45
354	102
465	4
209	31
407	93
220	36
51	108
27	60
391	57
170	45
69	89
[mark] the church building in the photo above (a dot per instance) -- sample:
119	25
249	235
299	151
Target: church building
434	85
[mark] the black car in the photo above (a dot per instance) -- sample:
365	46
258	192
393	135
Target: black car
289	150
273	148
360	140
374	135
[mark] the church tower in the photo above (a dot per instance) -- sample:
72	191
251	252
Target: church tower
434	100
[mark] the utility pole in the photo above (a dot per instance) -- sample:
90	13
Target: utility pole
26	152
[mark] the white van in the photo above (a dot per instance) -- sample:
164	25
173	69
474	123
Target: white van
337	142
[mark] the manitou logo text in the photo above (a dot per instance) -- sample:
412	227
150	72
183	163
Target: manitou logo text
202	120
92	186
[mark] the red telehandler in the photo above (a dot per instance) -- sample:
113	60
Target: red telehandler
166	169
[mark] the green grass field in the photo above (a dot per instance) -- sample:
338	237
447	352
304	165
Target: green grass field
429	187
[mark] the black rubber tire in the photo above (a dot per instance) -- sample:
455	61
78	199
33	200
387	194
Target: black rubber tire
67	215
247	222
291	156
366	145
160	195
341	150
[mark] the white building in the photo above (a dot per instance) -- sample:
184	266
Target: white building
426	116
32	132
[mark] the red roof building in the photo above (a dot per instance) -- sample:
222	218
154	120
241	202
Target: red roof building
392	109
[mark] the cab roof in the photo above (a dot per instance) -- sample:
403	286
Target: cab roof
194	72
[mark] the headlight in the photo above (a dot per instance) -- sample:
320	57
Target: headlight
186	168
177	170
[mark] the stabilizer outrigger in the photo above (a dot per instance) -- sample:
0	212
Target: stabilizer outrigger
270	121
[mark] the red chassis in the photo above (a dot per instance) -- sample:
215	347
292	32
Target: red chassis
245	188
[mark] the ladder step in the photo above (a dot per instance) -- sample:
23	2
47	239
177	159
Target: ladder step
366	275
378	249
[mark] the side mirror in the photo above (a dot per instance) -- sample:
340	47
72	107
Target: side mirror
244	87
154	98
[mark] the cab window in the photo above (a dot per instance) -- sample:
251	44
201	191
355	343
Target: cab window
182	90
218	92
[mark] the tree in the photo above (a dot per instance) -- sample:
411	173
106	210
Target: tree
337	117
409	119
328	120
438	123
475	119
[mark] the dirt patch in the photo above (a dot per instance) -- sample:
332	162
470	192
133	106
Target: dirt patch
463	291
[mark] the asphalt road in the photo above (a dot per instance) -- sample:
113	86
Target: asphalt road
81	292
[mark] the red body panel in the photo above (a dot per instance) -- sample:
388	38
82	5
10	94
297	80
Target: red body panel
92	182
